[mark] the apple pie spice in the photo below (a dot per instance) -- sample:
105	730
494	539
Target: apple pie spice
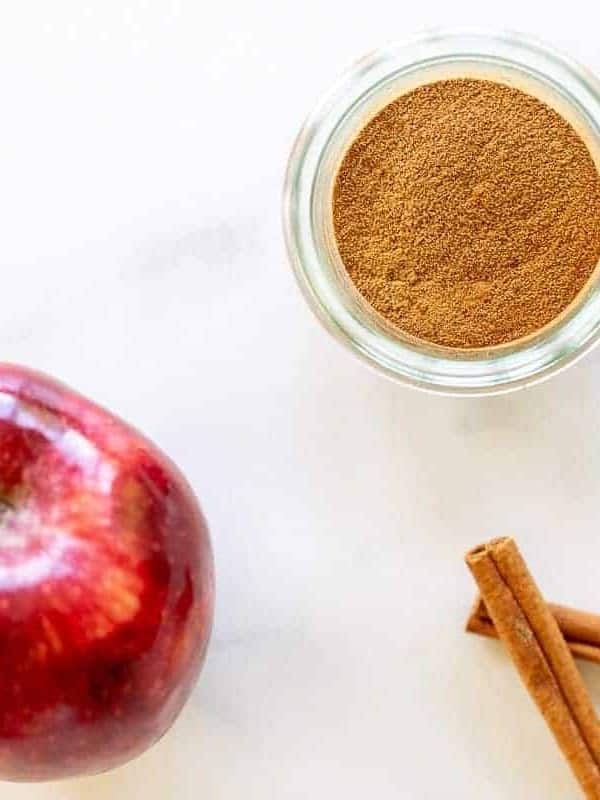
467	213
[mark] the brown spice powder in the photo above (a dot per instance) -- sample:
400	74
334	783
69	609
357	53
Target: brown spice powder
467	213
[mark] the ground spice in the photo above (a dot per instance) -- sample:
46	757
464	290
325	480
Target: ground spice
467	213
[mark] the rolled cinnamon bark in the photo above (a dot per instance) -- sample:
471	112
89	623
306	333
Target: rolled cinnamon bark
580	629
540	653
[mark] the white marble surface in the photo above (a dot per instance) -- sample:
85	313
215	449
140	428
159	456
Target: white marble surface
142	147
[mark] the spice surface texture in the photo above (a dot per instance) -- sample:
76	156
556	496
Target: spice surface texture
467	213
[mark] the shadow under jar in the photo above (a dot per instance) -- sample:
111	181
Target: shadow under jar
315	252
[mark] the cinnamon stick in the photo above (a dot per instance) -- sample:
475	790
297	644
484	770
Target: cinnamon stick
540	653
580	629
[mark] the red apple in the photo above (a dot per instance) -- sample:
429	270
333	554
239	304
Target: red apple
106	584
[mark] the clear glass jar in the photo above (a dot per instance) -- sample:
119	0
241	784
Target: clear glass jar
370	85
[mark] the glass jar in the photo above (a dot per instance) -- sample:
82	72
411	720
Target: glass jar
369	85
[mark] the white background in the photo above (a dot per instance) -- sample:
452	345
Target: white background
142	150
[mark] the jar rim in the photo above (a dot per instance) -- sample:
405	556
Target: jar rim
423	365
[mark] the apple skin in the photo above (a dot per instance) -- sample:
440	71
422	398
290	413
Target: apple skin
106	584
